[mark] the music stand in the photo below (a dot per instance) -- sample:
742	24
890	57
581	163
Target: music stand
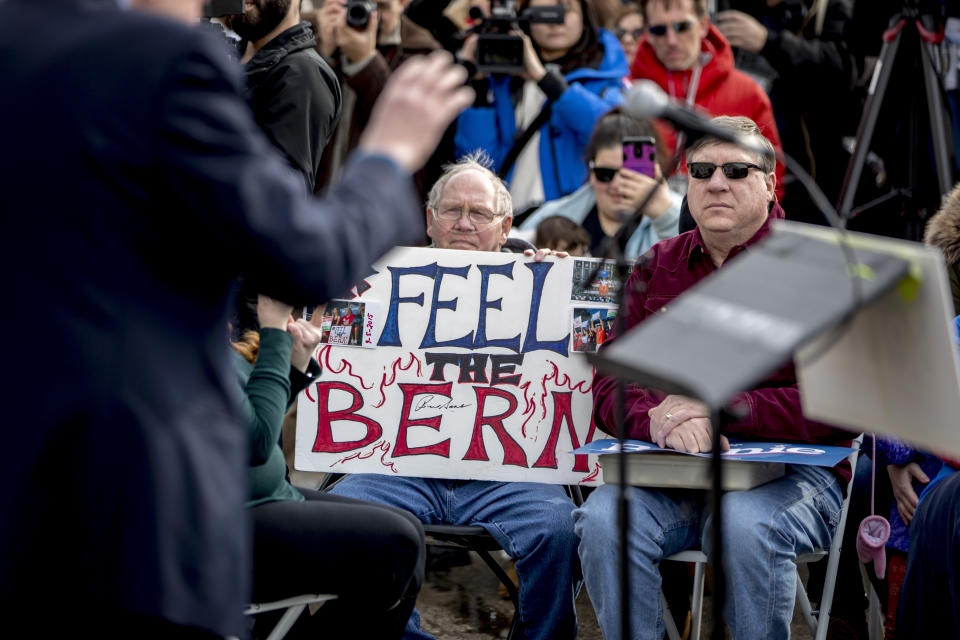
898	358
730	331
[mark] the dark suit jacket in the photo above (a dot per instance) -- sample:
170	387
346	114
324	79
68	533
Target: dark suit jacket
135	186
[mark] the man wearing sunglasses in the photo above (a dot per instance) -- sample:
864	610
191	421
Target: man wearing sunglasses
692	62
731	197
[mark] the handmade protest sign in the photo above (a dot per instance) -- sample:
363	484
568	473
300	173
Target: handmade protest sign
471	376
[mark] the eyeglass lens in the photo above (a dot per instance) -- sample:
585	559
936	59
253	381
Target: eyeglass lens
661	29
604	174
451	215
636	33
732	170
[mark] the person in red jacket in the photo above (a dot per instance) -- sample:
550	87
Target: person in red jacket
692	62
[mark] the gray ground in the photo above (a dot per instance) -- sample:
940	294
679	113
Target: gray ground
462	603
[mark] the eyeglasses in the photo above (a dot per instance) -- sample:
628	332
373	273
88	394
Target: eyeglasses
604	174
477	217
660	30
732	170
636	34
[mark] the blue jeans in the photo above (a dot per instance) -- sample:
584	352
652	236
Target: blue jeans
532	522
764	529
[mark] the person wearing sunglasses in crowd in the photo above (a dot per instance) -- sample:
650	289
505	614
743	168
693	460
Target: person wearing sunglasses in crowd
693	63
612	193
731	197
629	29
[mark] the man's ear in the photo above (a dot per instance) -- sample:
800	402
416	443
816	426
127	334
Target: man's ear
505	228
430	222
705	25
770	180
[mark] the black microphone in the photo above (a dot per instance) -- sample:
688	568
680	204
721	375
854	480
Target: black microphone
647	100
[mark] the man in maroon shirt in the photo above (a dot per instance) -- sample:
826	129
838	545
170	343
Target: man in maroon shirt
770	524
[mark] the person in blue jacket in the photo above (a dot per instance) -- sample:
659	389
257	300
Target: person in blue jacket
574	69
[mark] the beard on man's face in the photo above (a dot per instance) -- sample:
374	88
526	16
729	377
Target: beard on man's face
260	19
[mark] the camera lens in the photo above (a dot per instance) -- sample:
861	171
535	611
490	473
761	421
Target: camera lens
358	14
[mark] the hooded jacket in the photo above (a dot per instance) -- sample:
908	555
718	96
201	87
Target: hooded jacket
295	97
590	94
722	90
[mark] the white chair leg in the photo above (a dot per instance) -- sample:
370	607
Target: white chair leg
696	607
803	603
286	621
875	619
668	621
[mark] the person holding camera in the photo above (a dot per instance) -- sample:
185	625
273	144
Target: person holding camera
364	42
613	192
570	74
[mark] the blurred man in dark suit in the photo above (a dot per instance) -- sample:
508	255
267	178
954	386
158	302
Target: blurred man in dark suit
136	185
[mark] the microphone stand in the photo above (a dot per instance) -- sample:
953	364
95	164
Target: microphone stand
612	248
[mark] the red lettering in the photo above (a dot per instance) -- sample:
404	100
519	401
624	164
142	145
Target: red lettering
512	452
562	411
409	392
324	442
582	464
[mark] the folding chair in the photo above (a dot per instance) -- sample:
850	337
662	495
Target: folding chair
294	607
471	538
476	538
817	620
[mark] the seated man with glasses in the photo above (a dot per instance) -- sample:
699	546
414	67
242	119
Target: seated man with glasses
693	63
768	525
469	208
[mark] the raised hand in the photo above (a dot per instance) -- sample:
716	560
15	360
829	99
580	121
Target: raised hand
272	314
306	336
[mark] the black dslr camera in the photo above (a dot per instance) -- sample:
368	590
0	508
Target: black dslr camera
498	51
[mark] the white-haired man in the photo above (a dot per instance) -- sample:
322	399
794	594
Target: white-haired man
469	208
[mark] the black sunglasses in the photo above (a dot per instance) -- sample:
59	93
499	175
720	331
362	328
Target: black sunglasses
636	33
661	29
604	174
732	170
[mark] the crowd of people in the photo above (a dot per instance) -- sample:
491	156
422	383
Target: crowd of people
212	181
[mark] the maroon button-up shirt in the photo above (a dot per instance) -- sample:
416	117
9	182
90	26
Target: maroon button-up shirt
773	410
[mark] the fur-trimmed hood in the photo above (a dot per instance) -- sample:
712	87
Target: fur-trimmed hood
943	229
